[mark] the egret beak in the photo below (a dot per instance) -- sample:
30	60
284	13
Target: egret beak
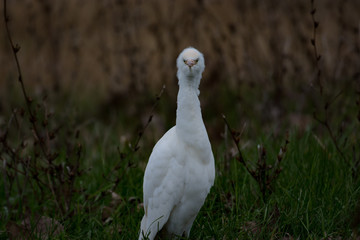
190	62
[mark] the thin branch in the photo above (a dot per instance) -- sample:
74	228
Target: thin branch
28	100
237	140
55	196
135	148
317	57
6	190
325	121
141	133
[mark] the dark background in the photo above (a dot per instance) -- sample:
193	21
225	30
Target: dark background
107	60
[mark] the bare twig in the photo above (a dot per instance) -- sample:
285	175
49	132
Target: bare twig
133	148
264	174
327	104
317	57
15	49
141	133
6	190
59	178
236	139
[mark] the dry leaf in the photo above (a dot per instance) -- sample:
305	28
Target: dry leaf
140	206
252	226
106	214
43	227
16	231
133	199
116	199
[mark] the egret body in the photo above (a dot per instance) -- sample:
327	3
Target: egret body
181	170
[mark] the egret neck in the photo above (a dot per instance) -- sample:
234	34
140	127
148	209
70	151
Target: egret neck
189	123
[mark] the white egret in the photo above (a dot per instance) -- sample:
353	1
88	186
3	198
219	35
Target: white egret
181	170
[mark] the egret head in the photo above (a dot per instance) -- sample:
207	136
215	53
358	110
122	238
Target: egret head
190	63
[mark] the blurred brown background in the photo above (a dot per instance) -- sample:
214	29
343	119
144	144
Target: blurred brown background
109	56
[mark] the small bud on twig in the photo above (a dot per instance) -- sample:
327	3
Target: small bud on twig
16	48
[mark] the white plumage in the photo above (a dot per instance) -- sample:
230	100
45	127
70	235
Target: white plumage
181	170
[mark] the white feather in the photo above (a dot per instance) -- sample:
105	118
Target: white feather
181	170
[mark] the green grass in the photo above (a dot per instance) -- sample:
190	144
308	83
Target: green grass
314	197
